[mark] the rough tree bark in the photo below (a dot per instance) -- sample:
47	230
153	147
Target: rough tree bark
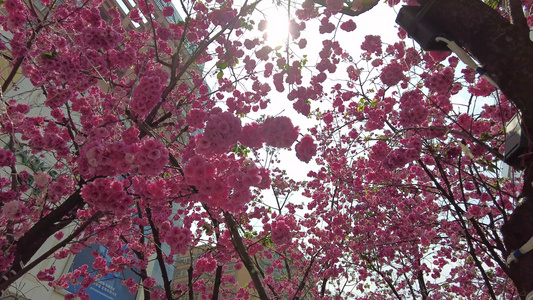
505	52
32	240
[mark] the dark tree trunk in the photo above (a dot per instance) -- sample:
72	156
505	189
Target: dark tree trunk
34	238
506	53
503	49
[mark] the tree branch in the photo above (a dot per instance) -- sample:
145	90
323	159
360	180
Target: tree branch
4	285
189	282
143	273
386	279
218	281
34	238
159	253
518	19
422	284
304	279
245	257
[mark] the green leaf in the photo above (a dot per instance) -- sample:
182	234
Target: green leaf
220	75
221	65
49	54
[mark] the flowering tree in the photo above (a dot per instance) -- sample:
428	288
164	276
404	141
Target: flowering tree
405	195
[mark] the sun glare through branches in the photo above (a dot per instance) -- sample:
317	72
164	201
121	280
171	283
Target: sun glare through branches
277	29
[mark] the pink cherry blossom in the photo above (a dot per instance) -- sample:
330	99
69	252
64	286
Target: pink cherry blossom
372	44
281	232
221	133
392	74
168	11
348	25
279	132
107	195
6	158
306	149
178	238
149	152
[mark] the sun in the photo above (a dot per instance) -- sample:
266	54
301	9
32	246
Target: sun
277	30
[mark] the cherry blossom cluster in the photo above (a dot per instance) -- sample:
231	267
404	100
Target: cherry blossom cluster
100	38
123	58
198	170
148	93
196	118
178	238
80	276
156	191
240	178
205	264
14	210
441	82
131	284
106	194
151	157
326	26
221	133
57	97
245	102
279	132
224	184
168	11
412	112
109	158
47	274
372	45
398	158
100	158
348	25
504	111
392	74
281	229
330	55
305	149
7	158
62	185
58	68
16	12
482	88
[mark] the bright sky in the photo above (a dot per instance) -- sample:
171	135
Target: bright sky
378	21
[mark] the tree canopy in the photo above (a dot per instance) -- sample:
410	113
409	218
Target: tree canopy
146	131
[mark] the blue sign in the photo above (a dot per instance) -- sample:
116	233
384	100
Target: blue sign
106	288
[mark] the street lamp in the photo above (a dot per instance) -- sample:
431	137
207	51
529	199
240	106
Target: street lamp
414	21
516	142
